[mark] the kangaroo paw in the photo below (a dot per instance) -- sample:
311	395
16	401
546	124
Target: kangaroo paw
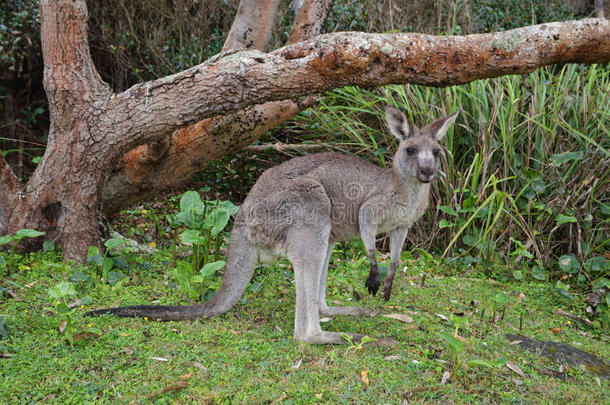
372	283
387	292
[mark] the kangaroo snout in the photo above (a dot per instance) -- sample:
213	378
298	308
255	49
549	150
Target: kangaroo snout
426	174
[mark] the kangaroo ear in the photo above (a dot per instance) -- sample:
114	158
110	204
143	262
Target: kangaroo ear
439	128
399	125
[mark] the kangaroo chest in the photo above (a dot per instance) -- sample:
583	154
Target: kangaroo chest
402	213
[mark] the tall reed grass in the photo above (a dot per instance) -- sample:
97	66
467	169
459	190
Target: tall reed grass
525	173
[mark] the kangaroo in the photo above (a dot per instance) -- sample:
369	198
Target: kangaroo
300	208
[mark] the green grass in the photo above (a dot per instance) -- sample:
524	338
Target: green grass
247	355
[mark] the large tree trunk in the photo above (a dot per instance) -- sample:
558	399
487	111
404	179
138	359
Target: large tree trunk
92	129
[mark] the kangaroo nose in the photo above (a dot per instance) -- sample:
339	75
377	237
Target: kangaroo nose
426	171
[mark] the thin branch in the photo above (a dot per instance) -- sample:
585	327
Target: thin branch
285	147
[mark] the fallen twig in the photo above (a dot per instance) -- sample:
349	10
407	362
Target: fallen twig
574	317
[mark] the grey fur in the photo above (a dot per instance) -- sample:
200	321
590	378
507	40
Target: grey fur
300	208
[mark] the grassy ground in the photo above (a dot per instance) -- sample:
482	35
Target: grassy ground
248	355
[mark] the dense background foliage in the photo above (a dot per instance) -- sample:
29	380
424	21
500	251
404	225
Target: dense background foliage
526	167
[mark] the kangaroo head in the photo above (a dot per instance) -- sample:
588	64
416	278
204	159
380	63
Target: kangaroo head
419	149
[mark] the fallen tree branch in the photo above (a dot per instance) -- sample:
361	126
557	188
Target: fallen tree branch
226	84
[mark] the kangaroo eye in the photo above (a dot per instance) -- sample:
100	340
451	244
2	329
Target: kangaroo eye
435	152
411	151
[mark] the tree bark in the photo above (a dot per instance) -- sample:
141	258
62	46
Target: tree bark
234	81
10	189
92	129
62	197
149	169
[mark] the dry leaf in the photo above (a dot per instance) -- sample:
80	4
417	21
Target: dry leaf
296	364
128	350
515	368
82	335
446	376
200	366
393	357
62	326
555	330
401	317
159	358
515	342
172	387
460	338
279	399
186	376
443	317
323	320
365	379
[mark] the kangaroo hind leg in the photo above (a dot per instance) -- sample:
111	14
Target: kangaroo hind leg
323	308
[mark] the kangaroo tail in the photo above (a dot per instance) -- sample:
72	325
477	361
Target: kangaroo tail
241	261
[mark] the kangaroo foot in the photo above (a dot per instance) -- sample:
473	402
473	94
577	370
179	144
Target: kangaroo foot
372	283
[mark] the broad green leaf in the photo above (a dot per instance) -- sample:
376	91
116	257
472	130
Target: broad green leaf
197	279
537	273
48	246
173	220
79	277
192	237
115	276
93	250
500	298
560	158
191	209
63	289
564	219
107	265
602	283
2	262
228	206
455	344
93	329
28	233
4	331
210	268
367	339
447	210
500	362
479	362
95	259
6	239
62	308
565	294
597	263
217	220
518	275
469	240
569	264
112	243
120	262
443	223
